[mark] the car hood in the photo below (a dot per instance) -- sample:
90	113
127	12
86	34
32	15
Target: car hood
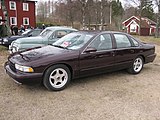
29	39
14	37
42	53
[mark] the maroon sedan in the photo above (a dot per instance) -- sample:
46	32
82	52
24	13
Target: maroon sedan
77	55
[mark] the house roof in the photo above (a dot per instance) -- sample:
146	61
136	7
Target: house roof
145	22
130	19
151	21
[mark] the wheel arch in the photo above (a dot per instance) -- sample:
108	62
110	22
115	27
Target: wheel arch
142	57
67	65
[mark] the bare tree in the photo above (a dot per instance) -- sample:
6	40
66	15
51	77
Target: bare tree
157	3
83	8
129	12
41	12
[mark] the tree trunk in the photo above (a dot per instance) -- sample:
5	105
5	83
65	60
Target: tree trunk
83	16
140	16
96	16
158	21
101	15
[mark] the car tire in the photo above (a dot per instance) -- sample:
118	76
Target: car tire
57	77
137	65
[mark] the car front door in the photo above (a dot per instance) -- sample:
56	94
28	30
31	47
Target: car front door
101	59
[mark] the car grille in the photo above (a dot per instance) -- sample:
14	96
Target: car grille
12	66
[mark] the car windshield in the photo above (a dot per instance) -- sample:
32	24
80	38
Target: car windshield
26	32
73	41
45	33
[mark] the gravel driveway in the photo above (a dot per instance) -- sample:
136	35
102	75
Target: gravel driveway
111	96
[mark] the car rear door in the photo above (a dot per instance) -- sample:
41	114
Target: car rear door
124	52
100	60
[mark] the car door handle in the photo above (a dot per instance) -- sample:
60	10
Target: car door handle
113	53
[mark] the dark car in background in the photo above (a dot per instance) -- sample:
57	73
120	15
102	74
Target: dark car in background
79	54
6	41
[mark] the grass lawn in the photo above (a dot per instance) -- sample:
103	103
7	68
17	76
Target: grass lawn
3	50
149	39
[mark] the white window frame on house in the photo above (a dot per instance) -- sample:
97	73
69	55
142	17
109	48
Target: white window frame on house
14	19
133	27
25	7
1	21
10	5
25	18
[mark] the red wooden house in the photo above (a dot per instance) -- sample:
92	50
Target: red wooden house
20	12
148	27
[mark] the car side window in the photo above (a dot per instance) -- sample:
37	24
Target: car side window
102	42
122	41
70	31
136	44
60	33
36	32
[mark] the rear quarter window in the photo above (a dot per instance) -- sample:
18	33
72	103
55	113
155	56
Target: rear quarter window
135	43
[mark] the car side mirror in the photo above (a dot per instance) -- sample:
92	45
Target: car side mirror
90	49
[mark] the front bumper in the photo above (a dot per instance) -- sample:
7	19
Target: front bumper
23	78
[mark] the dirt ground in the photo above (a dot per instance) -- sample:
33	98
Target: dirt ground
111	96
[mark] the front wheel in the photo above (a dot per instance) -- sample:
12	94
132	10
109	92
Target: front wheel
137	65
57	77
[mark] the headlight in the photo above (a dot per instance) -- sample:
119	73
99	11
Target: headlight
5	40
14	50
23	68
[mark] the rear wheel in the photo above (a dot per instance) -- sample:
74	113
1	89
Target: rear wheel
57	77
137	65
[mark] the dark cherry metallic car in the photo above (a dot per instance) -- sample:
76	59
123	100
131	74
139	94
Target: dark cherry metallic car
77	55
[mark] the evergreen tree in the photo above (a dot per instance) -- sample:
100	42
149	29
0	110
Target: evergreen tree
147	9
117	13
117	9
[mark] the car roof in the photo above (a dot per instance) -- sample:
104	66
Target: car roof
99	32
60	27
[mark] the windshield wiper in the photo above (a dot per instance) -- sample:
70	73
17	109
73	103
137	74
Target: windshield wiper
60	46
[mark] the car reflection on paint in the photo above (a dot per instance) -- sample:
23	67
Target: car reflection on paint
78	55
